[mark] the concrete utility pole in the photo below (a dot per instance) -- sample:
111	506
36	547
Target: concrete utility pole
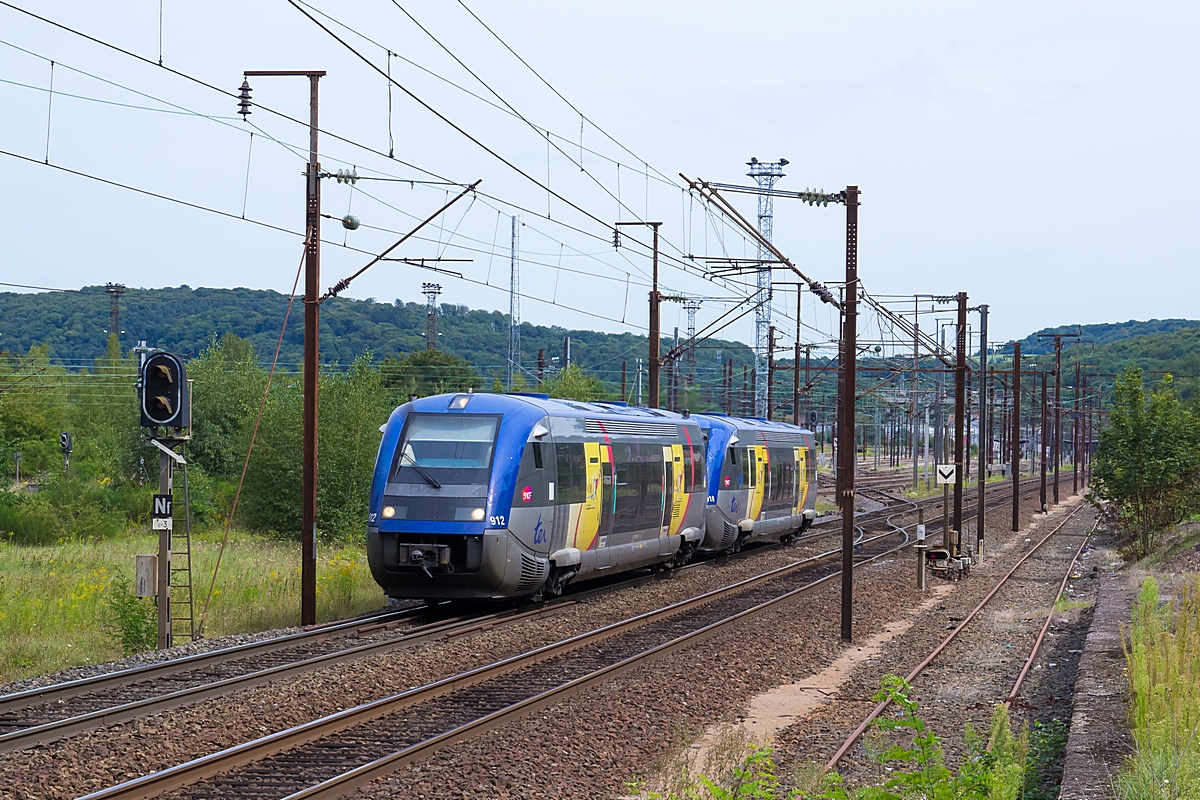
655	301
983	448
846	435
1016	438
312	348
960	413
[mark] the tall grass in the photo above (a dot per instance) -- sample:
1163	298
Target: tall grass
54	614
1162	650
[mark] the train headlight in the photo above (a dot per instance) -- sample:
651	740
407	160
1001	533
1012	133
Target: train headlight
477	514
388	512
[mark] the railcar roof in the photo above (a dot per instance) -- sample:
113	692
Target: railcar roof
488	402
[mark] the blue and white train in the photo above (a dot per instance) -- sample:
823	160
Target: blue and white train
491	496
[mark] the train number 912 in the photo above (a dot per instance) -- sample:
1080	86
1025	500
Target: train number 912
498	521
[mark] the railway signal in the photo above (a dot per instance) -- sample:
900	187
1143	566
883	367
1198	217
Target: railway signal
163	393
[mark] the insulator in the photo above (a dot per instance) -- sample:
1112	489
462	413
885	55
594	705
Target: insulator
616	238
244	99
350	222
347	176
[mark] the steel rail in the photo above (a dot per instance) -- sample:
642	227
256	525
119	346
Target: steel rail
354	779
214	764
109	680
23	738
917	670
1012	695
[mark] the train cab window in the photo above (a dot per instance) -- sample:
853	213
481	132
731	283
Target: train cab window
537	455
733	456
455	448
572	473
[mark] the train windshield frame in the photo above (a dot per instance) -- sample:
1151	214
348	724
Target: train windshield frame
453	448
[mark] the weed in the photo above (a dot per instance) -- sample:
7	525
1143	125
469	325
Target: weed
132	620
993	769
1047	741
1162	651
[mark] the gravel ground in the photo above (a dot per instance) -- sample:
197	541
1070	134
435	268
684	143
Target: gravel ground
125	751
593	743
978	668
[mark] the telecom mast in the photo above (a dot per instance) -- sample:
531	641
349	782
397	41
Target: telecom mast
514	310
765	173
431	290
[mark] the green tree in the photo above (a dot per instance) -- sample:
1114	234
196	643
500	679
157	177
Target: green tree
226	391
1147	462
354	404
573	383
427	372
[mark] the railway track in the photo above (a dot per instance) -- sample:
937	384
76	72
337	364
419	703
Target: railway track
966	621
332	755
46	714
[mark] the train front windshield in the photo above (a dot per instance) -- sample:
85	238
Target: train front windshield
449	448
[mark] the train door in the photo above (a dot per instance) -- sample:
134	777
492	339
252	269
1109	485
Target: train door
754	456
608	497
676	500
801	479
668	494
589	522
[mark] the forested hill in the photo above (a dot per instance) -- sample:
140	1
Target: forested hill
1105	333
1177	352
184	320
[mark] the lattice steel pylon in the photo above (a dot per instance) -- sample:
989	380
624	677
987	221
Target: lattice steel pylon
114	292
431	290
691	307
514	309
765	174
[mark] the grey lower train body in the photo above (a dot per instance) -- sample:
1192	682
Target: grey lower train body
723	531
496	564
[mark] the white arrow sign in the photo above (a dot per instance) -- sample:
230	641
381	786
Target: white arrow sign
945	473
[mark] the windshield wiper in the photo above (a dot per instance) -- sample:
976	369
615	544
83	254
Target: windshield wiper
432	481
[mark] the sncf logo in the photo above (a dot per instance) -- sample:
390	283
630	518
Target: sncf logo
727	479
527	494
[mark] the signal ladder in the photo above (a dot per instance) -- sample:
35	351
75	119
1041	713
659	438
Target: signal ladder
182	611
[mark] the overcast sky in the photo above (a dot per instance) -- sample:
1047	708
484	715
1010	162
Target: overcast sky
1035	155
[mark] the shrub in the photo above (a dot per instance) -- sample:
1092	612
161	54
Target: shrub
132	620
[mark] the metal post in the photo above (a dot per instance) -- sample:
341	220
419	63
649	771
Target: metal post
1016	438
983	411
312	368
1057	412
165	464
1042	443
770	372
920	548
624	396
915	372
1075	428
796	359
655	299
960	413
846	443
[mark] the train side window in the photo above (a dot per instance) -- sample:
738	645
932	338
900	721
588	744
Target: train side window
572	474
537	455
733	456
